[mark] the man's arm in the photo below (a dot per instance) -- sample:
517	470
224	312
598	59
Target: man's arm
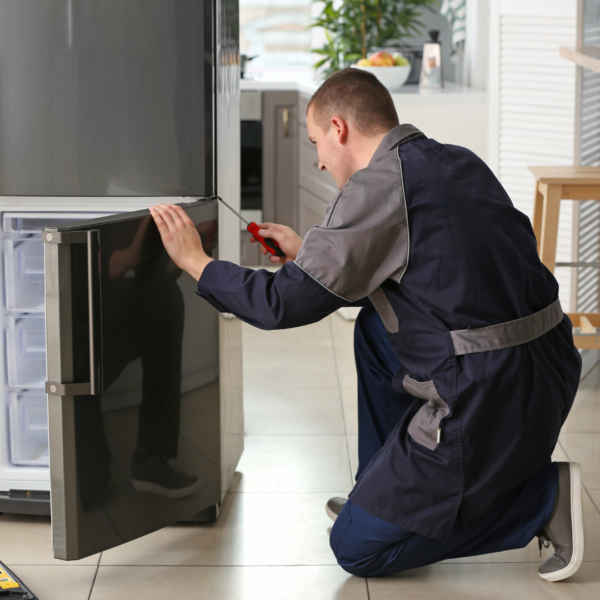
288	298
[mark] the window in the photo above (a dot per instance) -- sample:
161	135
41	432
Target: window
277	31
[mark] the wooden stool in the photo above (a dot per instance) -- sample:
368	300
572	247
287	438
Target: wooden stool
553	185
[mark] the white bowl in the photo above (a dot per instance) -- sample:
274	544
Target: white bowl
391	77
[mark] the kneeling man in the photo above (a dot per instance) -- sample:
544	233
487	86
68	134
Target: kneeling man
466	363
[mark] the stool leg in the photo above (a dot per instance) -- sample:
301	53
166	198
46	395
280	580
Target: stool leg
538	211
552	198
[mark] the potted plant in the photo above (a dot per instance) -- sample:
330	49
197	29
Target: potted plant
352	27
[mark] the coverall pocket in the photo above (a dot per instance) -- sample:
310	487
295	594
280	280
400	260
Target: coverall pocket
424	426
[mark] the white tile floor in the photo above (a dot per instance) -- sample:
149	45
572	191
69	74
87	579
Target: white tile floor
271	541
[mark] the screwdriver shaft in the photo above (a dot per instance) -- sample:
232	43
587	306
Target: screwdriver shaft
235	212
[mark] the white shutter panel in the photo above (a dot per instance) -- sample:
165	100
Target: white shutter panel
588	279
532	104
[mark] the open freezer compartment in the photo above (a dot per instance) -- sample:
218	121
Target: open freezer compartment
28	423
24	456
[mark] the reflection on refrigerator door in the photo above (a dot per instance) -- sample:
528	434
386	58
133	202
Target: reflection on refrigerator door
146	447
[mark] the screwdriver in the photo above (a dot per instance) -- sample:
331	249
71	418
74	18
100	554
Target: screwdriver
271	246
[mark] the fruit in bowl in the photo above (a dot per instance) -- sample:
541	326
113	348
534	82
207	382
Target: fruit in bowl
399	60
391	70
382	59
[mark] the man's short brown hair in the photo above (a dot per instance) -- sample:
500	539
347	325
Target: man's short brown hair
357	97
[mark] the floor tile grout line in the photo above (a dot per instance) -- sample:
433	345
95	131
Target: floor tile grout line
334	491
582	484
269	566
95	575
590	497
293	434
321	492
368	591
563	449
594	368
337	377
337	374
65	566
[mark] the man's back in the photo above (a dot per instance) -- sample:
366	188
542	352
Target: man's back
471	264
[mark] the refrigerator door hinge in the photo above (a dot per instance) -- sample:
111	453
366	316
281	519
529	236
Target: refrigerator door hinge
68	389
64	237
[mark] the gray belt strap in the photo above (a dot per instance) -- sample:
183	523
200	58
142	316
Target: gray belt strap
507	335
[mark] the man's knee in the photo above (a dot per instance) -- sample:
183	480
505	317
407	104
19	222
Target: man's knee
349	558
358	550
376	565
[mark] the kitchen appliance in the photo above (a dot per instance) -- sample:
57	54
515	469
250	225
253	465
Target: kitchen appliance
432	75
107	108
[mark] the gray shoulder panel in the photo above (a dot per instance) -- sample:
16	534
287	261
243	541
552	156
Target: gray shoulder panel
364	238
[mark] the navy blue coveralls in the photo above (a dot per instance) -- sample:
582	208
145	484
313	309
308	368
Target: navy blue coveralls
467	369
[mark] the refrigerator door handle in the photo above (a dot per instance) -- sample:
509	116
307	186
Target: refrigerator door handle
90	237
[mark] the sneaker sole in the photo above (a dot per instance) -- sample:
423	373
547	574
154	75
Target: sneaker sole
146	486
330	513
577	527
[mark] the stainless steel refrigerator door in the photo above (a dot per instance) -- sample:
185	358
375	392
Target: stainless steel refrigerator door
133	382
106	98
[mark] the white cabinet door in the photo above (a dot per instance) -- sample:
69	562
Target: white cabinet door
311	212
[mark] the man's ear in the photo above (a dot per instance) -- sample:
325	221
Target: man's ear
340	128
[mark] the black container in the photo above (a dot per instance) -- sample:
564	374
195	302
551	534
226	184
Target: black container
414	55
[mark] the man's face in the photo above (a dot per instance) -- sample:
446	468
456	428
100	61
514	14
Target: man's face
334	155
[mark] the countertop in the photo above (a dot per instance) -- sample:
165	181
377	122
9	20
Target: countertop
451	93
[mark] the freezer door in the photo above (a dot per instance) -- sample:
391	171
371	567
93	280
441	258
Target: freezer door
133	382
106	98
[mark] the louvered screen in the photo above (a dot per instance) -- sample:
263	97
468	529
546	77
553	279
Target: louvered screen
536	112
588	279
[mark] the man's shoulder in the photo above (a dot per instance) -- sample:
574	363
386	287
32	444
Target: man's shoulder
383	173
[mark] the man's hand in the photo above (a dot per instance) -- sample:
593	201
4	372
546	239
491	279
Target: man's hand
180	238
288	241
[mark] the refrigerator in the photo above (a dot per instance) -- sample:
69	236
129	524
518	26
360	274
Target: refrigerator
121	401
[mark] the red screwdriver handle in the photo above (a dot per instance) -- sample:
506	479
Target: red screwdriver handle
271	246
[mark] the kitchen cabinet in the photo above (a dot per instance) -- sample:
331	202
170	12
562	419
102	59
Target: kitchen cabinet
320	183
316	187
279	168
296	192
280	157
311	211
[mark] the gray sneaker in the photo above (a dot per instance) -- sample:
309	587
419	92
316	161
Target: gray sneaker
334	507
565	529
